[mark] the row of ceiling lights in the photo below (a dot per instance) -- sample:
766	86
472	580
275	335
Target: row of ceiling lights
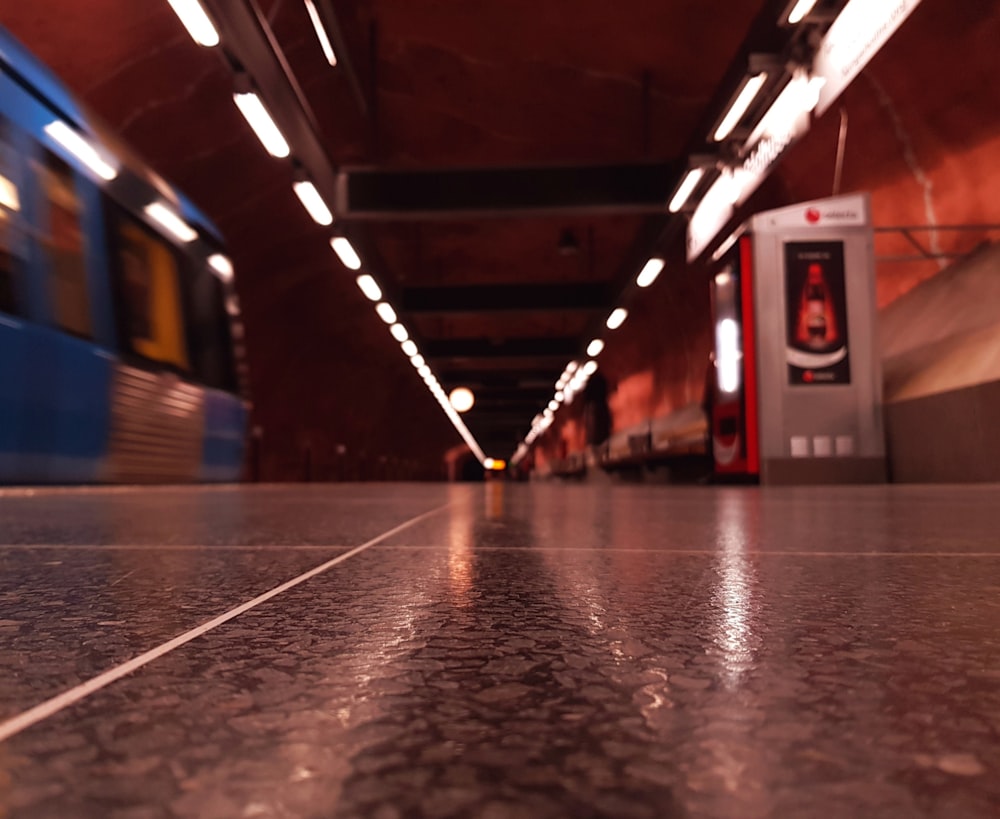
203	31
575	377
799	96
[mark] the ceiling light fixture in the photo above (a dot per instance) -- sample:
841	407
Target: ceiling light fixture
385	312
345	251
617	318
260	120
748	93
313	202
399	332
595	347
417	360
649	272
369	287
81	149
462	399
410	348
321	35
800	10
686	188
196	21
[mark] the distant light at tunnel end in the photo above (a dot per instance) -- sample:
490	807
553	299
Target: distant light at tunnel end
461	399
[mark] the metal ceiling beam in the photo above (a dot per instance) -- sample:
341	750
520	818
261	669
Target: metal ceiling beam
251	46
344	62
530	348
494	298
532	379
364	193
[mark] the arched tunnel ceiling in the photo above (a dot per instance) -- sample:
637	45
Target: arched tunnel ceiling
494	302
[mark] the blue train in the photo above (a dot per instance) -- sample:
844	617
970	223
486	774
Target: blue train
121	356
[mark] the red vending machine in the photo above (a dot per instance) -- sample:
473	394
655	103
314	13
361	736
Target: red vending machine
733	387
797	387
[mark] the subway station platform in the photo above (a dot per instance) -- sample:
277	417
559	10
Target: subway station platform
500	650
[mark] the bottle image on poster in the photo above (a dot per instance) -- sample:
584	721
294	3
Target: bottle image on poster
816	325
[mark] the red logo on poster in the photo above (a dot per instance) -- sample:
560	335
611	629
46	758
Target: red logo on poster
813	216
808	376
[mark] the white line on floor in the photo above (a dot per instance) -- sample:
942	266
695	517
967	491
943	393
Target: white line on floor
173	547
325	547
611	550
52	706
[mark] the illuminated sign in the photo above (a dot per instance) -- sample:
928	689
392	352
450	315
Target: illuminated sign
856	36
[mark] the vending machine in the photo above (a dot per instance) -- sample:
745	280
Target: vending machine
797	392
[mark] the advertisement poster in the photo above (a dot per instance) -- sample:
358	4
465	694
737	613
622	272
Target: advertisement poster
815	293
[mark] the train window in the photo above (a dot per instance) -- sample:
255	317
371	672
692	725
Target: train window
208	324
12	233
149	294
63	244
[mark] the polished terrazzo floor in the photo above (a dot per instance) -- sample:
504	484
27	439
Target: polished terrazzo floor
500	651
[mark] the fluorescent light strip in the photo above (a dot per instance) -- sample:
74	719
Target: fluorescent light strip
263	125
617	318
410	348
369	287
649	273
345	251
686	189
385	312
321	35
399	332
595	347
802	8
590	368
193	16
81	149
740	105
417	360
160	213
313	203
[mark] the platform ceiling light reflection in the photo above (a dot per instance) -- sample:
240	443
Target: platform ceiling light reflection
595	347
649	273
196	21
617	318
221	265
260	120
169	220
81	149
369	287
313	203
346	252
385	312
462	399
321	35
